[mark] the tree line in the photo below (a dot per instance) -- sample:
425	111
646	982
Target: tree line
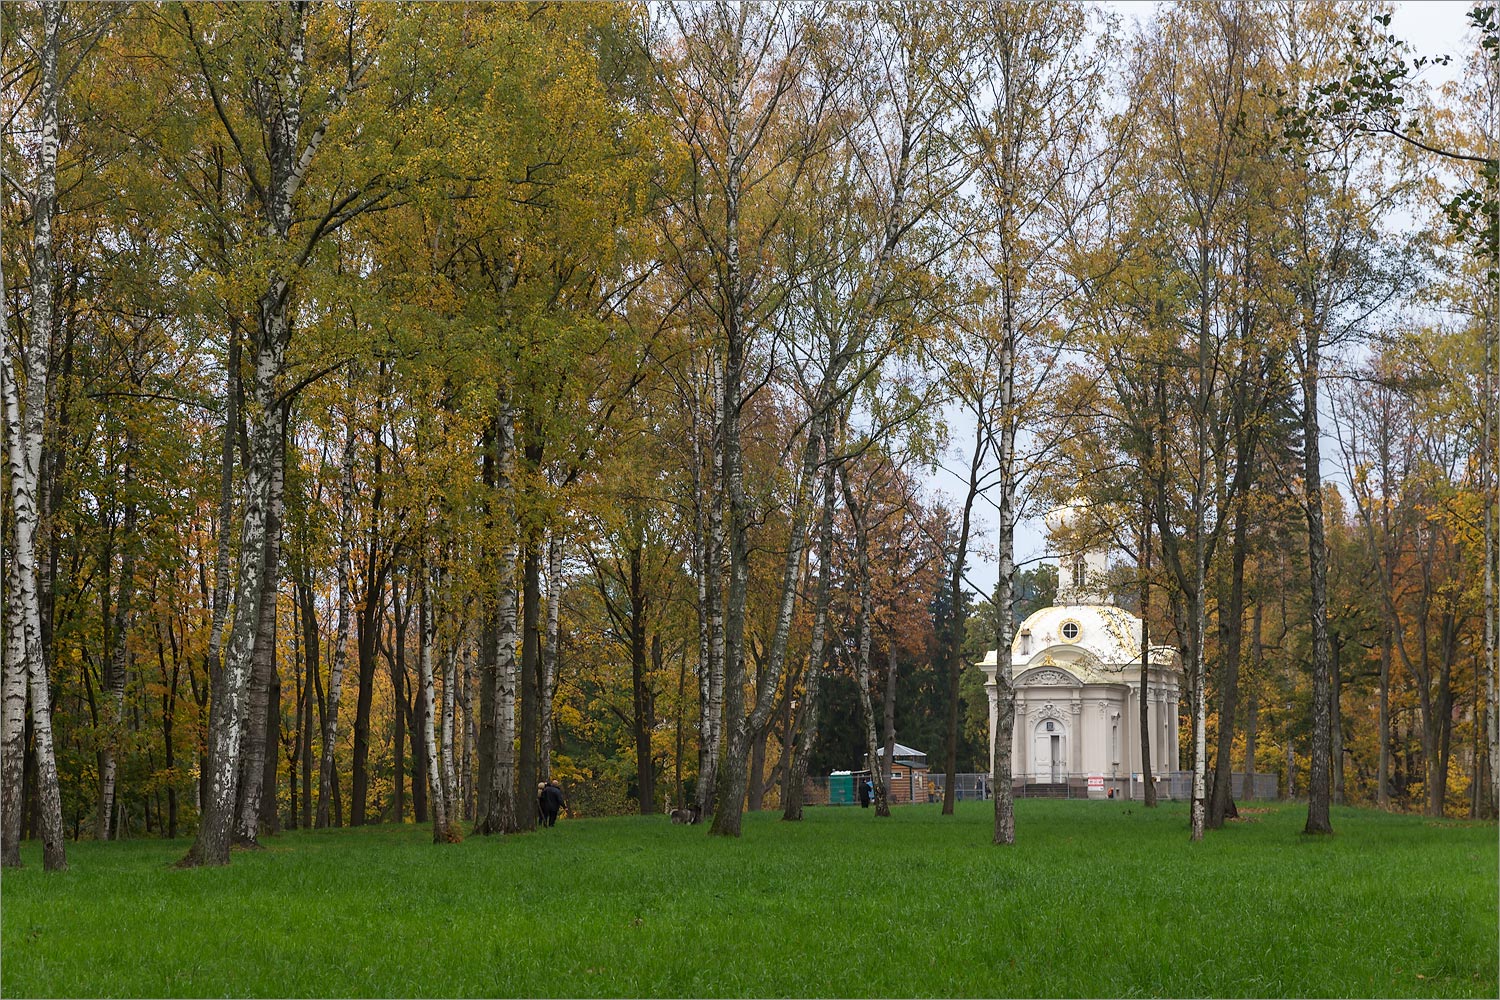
408	405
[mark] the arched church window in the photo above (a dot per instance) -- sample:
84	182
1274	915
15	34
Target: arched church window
1079	571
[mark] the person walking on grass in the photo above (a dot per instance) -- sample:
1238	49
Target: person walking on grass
552	802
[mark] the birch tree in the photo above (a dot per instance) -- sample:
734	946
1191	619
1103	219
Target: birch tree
1031	102
25	419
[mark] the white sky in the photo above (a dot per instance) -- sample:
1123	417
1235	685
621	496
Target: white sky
1432	27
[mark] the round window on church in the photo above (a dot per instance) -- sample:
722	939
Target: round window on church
1070	631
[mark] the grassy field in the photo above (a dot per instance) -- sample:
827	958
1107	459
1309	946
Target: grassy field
1098	899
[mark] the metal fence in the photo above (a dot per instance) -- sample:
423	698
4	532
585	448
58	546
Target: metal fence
1171	785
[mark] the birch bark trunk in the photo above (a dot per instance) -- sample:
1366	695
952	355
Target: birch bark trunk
1000	769
263	667
426	629
1490	466
451	741
26	454
887	760
807	728
13	727
13	720
499	814
743	726
550	651
711	598
530	693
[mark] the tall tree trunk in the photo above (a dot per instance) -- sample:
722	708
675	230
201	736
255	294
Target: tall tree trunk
489	642
397	665
743	725
550	651
711	601
263	664
170	682
228	708
1000	761
862	602
25	433
954	640
1337	715
1231	625
367	628
470	738
14	726
499	813
643	711
13	722
1199	699
1383	760
1489	487
806	734
427	629
1317	555
327	778
270	821
1252	697
1147	780
308	616
755	786
451	743
731	794
531	687
114	677
888	760
421	774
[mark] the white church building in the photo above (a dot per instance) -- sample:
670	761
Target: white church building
1076	668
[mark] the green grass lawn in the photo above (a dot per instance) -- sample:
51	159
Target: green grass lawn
1097	899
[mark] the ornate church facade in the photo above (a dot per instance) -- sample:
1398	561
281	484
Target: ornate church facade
1076	668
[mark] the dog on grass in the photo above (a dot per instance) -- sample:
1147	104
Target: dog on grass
690	815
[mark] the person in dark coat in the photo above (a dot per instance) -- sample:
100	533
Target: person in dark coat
552	803
866	793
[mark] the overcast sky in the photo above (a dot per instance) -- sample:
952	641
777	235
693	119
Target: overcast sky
1433	27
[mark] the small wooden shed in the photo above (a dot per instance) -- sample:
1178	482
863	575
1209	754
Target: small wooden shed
909	782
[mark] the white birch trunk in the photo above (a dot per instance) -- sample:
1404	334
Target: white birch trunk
502	792
1005	693
807	737
711	731
263	662
26	473
13	720
450	734
1490	483
550	651
228	708
426	628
